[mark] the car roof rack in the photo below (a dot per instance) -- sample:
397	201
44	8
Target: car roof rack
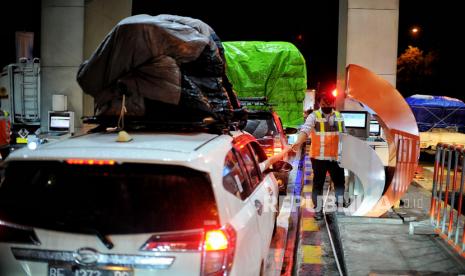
256	104
208	124
255	101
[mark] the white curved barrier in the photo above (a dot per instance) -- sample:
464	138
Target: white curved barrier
358	157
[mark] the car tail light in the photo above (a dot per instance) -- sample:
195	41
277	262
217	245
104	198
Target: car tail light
182	241
278	146
216	240
267	144
217	247
89	162
334	93
218	251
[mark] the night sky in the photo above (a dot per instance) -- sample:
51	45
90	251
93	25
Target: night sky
18	15
313	29
440	26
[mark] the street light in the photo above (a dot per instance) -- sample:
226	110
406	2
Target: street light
415	30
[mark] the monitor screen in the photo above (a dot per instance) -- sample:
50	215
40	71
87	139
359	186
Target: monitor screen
374	128
59	121
356	119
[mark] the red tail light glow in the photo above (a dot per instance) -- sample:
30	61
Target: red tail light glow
216	240
217	247
334	93
89	162
183	241
267	144
278	146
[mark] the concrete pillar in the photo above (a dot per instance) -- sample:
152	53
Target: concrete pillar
368	33
62	36
100	17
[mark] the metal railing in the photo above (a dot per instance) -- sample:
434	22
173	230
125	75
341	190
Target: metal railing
447	197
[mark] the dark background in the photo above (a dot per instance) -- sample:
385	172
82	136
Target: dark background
441	29
18	15
311	26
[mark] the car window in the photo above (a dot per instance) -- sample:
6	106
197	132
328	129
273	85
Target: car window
123	198
234	180
260	128
257	152
251	166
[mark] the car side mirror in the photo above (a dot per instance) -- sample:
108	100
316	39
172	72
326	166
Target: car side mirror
290	130
282	166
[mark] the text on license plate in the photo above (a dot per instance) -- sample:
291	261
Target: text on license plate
71	270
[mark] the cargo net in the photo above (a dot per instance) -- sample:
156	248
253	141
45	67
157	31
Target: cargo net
170	70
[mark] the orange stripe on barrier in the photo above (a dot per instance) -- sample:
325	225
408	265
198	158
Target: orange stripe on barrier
435	181
432	208
446	194
443	157
454	185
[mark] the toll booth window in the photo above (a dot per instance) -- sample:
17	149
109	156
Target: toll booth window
234	180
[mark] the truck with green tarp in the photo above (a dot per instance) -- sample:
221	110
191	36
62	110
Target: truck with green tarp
275	70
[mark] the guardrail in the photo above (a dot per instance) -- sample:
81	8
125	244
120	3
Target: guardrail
446	213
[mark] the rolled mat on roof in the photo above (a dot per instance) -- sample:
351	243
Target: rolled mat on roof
169	67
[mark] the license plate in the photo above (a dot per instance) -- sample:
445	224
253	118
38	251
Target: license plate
75	270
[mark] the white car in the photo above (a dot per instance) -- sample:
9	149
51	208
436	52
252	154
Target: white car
161	204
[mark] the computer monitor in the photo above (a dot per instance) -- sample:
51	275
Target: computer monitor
61	121
375	129
355	119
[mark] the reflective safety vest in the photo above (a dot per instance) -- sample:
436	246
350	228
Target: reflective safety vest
325	138
4	128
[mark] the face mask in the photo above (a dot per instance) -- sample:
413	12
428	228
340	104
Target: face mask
326	110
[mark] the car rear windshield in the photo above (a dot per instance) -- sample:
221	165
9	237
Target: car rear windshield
110	199
260	128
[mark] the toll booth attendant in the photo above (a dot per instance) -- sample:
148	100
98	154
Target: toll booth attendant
324	126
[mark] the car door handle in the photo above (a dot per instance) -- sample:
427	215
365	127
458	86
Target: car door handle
259	207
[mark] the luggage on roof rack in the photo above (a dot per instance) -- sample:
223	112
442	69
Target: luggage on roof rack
168	67
143	124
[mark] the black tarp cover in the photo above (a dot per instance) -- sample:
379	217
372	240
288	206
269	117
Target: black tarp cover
163	63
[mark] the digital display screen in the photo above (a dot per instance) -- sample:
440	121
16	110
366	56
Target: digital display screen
59	122
354	119
374	128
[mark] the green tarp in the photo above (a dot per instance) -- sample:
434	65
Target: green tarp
275	70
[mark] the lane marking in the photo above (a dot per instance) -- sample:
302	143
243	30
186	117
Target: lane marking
310	224
312	254
308	188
